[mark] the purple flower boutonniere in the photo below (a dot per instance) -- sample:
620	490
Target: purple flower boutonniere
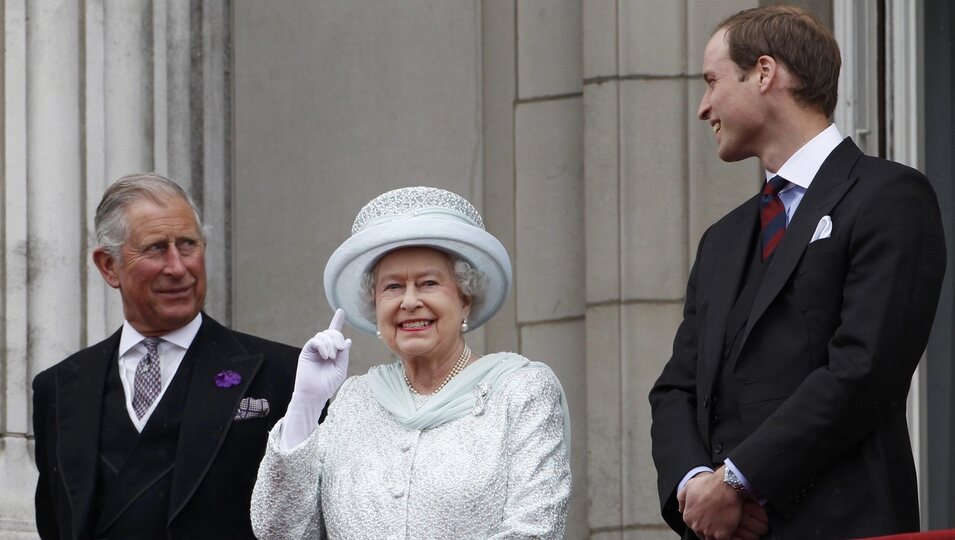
227	379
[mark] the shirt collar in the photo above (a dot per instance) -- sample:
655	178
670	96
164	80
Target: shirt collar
802	166
181	337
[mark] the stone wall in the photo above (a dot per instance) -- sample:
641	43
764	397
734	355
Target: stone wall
91	91
571	126
653	183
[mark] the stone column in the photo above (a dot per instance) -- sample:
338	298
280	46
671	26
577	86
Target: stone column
91	91
549	210
653	184
43	241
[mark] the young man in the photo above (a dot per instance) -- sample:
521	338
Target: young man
807	310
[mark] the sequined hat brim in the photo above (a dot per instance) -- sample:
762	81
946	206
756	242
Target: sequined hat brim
360	252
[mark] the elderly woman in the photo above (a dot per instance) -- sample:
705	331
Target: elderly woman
441	443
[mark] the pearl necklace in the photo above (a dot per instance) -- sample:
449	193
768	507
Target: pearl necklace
458	366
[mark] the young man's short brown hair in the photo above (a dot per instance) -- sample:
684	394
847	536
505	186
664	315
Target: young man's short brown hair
790	35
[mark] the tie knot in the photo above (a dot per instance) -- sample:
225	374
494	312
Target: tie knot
152	345
775	185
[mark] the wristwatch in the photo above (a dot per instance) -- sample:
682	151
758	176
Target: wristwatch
733	481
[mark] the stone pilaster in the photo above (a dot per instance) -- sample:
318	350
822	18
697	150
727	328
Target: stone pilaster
91	91
652	183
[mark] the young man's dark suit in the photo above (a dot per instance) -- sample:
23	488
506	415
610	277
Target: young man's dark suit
813	386
189	474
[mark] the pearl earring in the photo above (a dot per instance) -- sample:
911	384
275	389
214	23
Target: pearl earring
464	325
378	333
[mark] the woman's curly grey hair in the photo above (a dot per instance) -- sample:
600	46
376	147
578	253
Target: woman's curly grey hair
471	282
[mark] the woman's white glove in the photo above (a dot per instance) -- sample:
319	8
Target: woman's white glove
323	364
322	367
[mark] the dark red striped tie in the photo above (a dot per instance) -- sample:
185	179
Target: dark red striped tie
772	215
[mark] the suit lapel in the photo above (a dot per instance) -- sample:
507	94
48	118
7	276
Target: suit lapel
734	252
79	396
208	410
827	189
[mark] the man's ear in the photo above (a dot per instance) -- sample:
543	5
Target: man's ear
768	70
106	265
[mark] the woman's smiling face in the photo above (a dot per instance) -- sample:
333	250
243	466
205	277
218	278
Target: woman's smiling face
418	305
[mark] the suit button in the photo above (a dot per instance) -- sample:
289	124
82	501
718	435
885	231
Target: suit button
716	419
718	448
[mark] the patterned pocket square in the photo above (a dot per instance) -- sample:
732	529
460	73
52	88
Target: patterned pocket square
250	408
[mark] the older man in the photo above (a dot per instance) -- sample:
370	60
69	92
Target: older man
157	431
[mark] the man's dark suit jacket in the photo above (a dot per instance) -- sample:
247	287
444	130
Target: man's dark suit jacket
832	339
216	459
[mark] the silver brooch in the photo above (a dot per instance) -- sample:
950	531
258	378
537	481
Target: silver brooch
480	397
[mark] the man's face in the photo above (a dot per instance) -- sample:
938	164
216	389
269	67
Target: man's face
732	107
162	275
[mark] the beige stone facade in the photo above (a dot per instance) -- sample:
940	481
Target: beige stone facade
571	124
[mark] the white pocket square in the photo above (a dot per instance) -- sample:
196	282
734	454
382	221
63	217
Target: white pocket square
823	229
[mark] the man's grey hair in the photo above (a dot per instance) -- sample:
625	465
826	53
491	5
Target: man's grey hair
112	227
471	282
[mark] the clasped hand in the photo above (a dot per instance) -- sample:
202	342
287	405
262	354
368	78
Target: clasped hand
714	511
323	363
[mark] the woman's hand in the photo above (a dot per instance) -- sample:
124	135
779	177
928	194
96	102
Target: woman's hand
322	366
323	363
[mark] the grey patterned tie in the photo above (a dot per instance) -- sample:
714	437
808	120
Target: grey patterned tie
148	378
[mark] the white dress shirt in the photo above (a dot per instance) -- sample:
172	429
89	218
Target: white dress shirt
799	170
802	167
171	349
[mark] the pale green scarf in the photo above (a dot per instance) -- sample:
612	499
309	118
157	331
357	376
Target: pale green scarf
458	398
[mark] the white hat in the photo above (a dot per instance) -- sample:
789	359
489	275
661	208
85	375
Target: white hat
416	216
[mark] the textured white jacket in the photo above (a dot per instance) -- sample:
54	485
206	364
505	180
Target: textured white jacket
502	471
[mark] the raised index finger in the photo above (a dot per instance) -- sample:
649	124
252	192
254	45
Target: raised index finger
337	320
